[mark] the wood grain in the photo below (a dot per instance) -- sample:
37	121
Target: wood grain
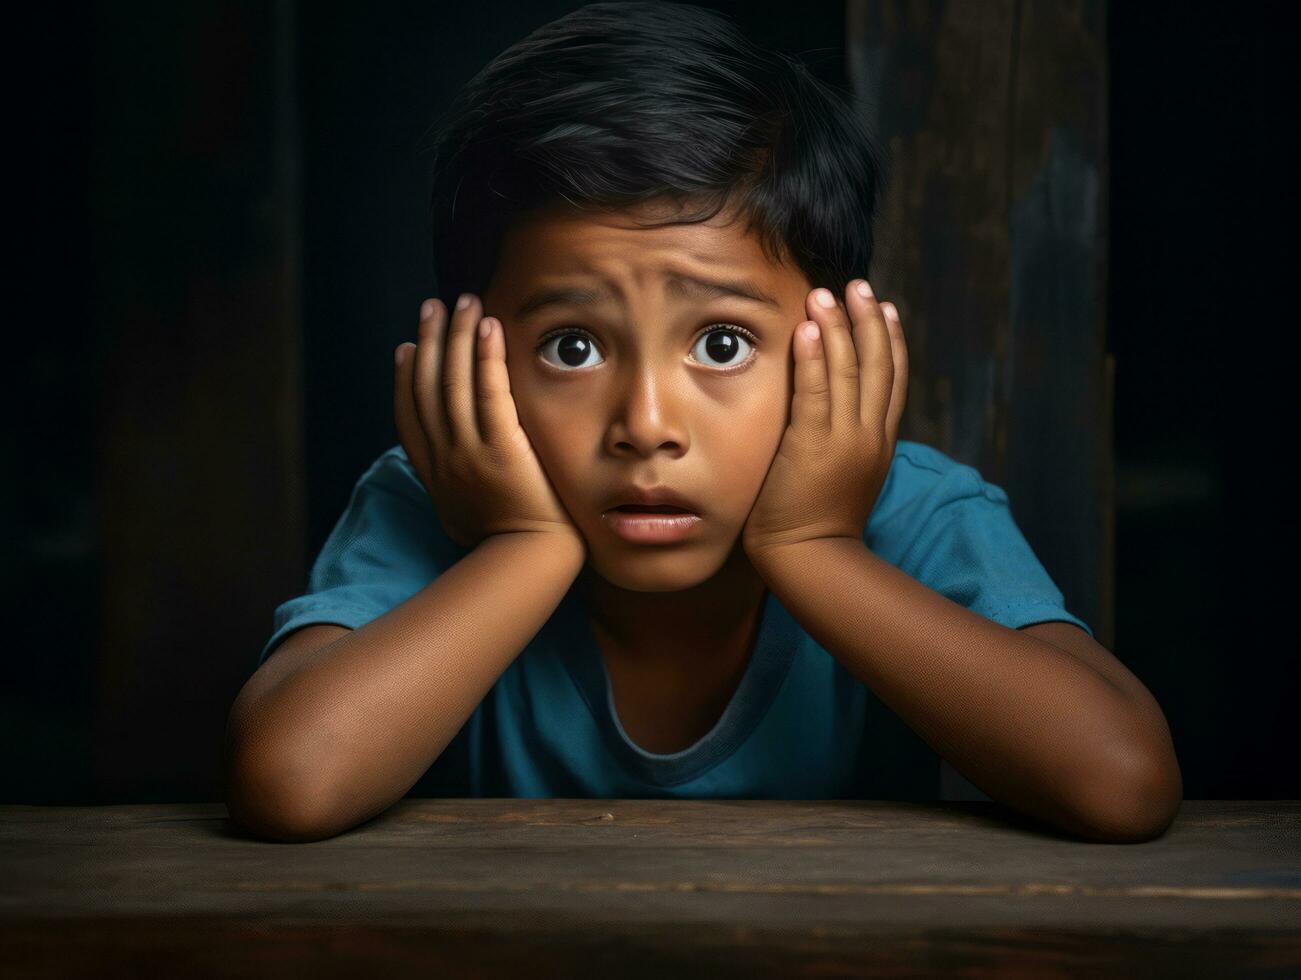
496	887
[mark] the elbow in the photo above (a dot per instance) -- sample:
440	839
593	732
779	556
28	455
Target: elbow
270	803
1136	801
275	820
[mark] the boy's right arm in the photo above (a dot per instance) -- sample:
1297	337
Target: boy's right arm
343	732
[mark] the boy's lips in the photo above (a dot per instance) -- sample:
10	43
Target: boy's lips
647	528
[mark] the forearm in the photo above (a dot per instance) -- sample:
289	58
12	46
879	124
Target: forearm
370	712
1033	726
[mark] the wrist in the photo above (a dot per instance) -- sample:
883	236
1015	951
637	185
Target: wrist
570	543
781	556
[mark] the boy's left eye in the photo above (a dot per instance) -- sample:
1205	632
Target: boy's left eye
717	346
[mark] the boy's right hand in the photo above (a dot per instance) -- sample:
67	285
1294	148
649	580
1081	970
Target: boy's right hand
456	420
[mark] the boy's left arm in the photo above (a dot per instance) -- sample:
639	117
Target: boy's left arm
1042	719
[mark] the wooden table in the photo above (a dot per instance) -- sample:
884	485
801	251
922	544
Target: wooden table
648	888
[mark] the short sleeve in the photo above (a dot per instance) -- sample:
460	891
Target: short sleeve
969	549
387	545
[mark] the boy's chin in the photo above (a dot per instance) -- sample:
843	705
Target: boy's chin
656	568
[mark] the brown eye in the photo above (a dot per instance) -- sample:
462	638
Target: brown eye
573	347
723	346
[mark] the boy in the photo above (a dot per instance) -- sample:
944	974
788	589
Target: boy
634	206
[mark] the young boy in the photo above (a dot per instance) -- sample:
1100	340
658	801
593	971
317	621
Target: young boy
634	205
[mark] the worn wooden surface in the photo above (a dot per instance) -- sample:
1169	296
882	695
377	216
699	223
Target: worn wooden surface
511	887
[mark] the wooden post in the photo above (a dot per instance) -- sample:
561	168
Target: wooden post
993	245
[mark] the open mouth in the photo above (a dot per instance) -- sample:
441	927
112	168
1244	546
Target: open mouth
651	509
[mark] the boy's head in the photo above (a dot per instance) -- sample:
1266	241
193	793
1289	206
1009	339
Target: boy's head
613	151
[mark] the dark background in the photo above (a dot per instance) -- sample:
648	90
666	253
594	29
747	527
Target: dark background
191	177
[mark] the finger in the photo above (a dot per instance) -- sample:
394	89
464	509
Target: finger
899	350
838	350
811	402
410	433
497	415
872	336
422	442
458	372
426	370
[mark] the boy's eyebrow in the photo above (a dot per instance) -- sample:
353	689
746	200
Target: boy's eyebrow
693	287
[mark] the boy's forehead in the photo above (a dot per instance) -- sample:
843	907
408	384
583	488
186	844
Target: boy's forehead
558	241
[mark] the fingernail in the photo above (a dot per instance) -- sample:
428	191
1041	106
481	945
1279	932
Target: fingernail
864	289
463	301
397	354
426	309
484	326
824	298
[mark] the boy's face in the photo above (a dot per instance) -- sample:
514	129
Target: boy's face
649	400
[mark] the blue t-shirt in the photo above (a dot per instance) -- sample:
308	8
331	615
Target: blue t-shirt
799	725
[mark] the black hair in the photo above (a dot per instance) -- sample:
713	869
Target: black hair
616	104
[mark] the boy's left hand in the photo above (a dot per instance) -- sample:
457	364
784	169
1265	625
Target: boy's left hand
850	388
